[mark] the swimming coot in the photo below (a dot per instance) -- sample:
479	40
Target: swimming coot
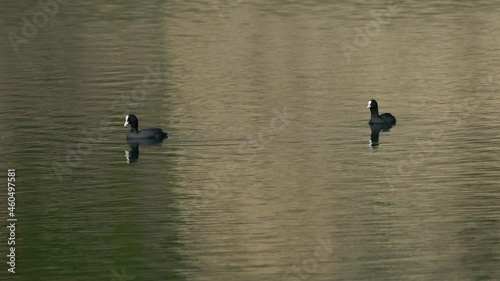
385	118
134	133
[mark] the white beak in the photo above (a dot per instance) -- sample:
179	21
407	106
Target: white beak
369	104
126	121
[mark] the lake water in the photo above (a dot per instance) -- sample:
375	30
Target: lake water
268	172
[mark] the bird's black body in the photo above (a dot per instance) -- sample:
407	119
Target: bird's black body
385	118
154	133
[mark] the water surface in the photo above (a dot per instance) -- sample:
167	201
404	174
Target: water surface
268	173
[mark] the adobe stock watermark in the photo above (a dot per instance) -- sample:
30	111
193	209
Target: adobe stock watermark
249	147
310	265
121	276
76	153
222	6
371	29
458	116
32	24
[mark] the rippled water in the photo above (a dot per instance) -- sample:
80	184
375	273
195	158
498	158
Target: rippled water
268	172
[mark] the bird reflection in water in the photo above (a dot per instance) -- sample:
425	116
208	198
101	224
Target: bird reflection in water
376	128
132	155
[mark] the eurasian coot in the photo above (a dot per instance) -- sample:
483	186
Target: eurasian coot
385	118
134	133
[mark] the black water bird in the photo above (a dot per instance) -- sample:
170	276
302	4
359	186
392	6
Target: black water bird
385	118
154	133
